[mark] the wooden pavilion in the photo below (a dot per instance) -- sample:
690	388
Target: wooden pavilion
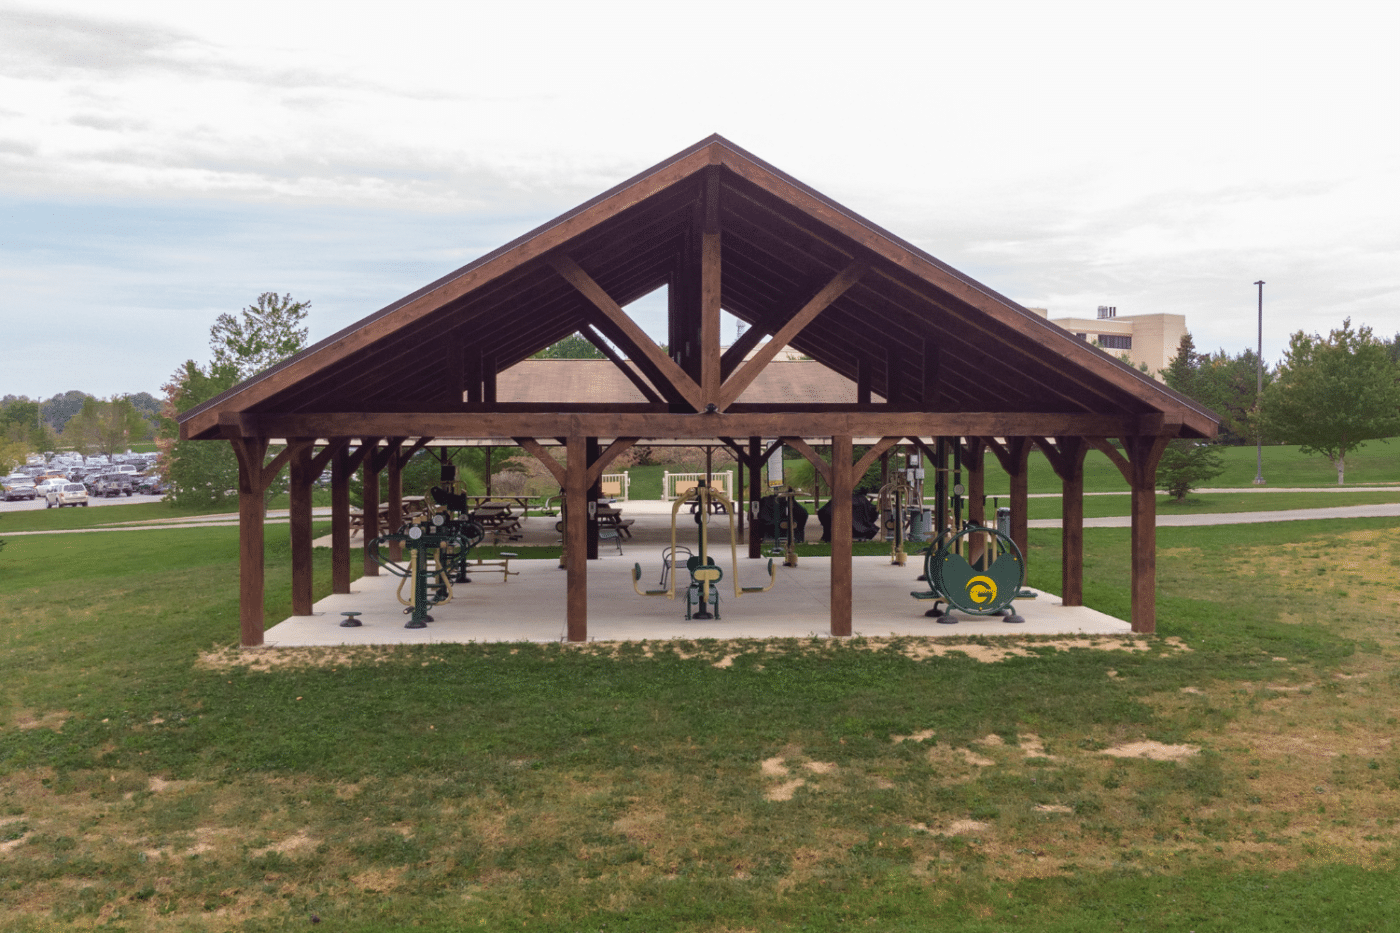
933	355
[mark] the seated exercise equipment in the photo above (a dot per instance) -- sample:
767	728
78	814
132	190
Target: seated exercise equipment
702	593
985	586
779	517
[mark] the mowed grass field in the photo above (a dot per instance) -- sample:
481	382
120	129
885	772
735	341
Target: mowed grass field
1236	772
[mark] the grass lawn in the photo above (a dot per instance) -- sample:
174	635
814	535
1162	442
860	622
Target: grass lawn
1284	467
152	778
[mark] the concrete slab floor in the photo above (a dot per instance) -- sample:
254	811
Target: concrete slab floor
530	607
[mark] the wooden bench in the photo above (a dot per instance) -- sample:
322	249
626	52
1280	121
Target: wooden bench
501	566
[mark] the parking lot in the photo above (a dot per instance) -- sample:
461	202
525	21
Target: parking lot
24	505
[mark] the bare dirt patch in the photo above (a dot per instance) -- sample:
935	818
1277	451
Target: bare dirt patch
973	758
55	719
785	790
1155	751
773	767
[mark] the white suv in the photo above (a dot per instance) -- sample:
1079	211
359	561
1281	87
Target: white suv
73	494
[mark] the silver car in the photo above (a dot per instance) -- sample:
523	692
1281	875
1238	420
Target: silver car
18	487
74	494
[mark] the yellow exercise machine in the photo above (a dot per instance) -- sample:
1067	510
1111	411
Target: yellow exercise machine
702	594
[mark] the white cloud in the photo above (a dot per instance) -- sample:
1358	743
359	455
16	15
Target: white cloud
1156	158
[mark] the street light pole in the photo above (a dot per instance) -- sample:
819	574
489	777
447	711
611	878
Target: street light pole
1258	394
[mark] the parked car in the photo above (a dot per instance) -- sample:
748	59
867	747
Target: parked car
19	487
67	494
113	484
42	487
151	485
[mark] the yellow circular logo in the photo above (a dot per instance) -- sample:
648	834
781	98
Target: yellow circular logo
981	590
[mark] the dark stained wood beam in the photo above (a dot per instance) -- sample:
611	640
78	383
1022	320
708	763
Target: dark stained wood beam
575	488
740	349
302	475
874	453
573	273
1066	456
842	485
556	469
605	348
614	450
821	466
710	286
696	426
251	571
735	385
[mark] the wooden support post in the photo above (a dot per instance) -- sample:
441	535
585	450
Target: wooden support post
595	492
1020	493
974	463
1072	534
340	521
576	539
300	522
1014	457
394	467
842	486
250	452
370	503
1138	463
710	278
739	503
756	492
1144	454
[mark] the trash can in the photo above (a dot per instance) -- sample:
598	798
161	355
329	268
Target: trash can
1004	521
920	523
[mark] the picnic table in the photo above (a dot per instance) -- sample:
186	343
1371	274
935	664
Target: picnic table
611	517
498	516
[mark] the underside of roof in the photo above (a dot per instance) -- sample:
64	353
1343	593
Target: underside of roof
719	229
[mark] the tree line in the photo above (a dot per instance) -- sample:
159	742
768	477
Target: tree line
1328	395
74	421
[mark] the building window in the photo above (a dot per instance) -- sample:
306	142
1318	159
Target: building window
1116	341
1084	337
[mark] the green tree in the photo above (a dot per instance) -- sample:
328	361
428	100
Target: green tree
59	409
201	473
1331	395
205	473
1185	465
12	453
1223	383
573	347
108	427
262	335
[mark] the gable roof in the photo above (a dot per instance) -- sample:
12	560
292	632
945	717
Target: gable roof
719	228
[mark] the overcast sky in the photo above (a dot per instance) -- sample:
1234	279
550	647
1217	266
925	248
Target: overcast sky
163	162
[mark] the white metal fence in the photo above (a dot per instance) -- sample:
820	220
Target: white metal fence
617	485
674	485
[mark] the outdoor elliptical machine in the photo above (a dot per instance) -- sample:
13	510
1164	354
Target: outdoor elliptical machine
782	518
438	548
702	593
892	497
984	586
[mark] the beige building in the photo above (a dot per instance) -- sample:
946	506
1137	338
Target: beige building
1146	338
